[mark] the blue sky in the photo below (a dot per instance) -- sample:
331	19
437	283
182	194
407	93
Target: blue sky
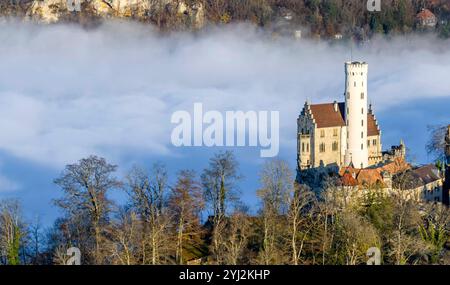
66	93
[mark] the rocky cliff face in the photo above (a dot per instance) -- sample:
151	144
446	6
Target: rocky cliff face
187	12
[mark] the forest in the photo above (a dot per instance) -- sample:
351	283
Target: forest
316	18
200	219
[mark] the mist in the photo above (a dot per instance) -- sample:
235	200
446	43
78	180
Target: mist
67	92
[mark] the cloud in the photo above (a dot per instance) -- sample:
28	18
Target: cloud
66	92
7	185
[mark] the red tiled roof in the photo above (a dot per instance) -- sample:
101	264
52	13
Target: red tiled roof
372	127
348	180
326	117
372	176
425	14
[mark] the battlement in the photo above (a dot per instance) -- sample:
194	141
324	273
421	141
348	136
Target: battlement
356	66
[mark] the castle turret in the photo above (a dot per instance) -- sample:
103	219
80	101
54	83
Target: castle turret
356	113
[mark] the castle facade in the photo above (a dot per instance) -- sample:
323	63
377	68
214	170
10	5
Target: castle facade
340	133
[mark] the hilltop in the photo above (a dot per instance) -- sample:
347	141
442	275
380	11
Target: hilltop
335	19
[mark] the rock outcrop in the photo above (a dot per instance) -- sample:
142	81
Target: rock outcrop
189	13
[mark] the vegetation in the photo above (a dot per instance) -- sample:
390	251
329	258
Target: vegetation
324	18
162	223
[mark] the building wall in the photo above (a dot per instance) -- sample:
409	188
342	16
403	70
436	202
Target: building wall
374	149
311	140
305	139
327	147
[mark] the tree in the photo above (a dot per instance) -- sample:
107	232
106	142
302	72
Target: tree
185	204
124	234
435	229
85	186
148	199
219	189
299	216
12	232
436	143
276	191
237	232
405	242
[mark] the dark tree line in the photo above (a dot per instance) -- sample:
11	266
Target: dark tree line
200	219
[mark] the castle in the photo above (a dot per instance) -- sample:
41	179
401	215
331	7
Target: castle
342	133
343	140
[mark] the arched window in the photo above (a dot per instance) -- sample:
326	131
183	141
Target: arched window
362	95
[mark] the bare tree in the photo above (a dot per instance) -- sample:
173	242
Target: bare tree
237	233
275	194
147	197
299	219
85	186
124	233
436	143
219	188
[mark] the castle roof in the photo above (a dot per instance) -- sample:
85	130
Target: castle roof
325	116
374	175
417	177
428	173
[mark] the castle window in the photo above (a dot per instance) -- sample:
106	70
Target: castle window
374	142
335	132
362	123
335	146
362	111
307	147
322	133
362	135
322	147
368	143
348	95
362	146
348	111
362	95
354	84
303	147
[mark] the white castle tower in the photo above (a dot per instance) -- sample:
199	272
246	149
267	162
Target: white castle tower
356	113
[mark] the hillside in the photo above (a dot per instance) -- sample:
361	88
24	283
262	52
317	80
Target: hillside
314	18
